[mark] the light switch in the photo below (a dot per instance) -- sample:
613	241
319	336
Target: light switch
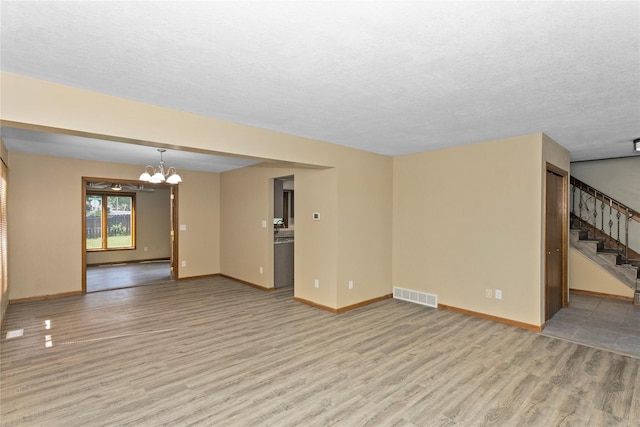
183	227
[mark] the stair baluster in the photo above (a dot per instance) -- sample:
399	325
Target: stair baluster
618	215
586	219
595	209
610	219
626	234
625	263
602	216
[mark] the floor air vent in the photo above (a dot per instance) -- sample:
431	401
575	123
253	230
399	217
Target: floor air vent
421	298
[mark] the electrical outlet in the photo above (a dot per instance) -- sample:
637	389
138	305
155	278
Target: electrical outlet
184	263
488	293
317	283
498	294
261	270
350	284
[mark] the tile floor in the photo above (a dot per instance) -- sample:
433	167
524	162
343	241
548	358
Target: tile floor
598	322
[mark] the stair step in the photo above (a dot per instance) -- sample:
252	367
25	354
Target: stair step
632	262
584	235
600	246
609	251
609	259
635	271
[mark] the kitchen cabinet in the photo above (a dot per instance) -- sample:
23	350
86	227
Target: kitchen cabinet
283	264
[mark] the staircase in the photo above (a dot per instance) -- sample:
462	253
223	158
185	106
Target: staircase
602	229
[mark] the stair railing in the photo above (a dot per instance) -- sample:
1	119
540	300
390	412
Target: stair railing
589	201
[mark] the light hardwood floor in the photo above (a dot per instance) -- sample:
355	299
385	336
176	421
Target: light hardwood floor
214	352
106	277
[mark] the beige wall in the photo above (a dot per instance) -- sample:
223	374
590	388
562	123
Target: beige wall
27	102
618	178
45	233
199	211
153	226
46	229
245	204
317	241
586	275
247	200
449	236
351	241
469	218
364	220
4	290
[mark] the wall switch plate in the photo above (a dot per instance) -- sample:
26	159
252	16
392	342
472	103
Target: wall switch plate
261	270
146	248
350	284
183	227
264	223
183	263
498	294
488	293
317	283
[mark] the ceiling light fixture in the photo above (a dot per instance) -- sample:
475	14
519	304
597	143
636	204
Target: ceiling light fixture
156	176
116	187
636	144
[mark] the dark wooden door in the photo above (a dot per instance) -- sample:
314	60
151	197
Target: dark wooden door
553	244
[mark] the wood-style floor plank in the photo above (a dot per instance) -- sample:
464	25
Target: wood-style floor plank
216	352
116	276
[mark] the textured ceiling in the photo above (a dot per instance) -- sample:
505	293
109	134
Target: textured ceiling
388	77
76	147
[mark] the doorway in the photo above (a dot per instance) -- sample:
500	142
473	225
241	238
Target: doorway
128	231
556	235
283	232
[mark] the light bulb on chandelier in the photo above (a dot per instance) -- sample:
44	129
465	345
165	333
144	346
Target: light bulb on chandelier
158	175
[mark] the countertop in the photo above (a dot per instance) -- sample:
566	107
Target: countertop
283	235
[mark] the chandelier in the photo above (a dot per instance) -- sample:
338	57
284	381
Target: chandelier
158	175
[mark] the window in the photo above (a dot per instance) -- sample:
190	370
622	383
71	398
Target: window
110	221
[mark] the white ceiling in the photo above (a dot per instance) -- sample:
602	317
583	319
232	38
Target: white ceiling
76	147
390	77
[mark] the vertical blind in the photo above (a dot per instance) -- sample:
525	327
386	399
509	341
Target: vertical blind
3	229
